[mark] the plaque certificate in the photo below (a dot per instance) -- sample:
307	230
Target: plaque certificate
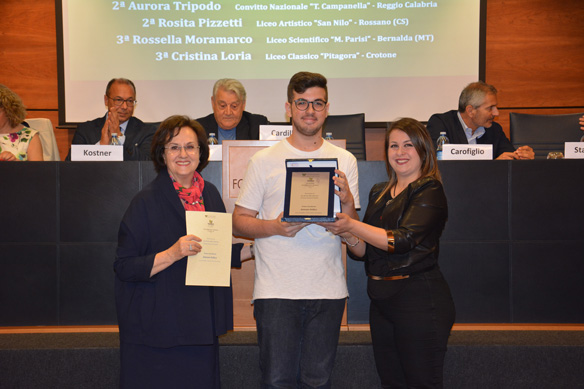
212	265
310	191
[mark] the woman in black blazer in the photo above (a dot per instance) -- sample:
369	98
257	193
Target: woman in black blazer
168	331
411	311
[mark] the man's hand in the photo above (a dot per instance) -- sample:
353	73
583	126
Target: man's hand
581	120
525	152
111	126
286	229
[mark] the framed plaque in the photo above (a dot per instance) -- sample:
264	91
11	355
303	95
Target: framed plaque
310	191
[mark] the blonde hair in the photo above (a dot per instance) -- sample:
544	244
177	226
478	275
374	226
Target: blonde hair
12	106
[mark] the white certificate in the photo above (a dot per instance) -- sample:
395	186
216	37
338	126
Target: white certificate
212	265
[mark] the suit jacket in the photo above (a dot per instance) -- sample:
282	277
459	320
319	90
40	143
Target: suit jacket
136	145
448	122
160	311
248	127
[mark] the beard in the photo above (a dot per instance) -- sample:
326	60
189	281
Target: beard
305	128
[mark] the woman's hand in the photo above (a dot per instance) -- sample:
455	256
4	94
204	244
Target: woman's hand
344	191
184	246
7	156
342	226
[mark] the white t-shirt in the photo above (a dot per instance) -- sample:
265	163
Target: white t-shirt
309	265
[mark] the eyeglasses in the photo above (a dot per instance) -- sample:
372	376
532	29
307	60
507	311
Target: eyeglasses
176	149
317	105
119	101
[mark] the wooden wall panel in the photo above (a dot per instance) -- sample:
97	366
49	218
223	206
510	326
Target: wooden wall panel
535	53
534	56
29	51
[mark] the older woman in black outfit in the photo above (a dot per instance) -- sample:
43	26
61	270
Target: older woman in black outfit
411	310
168	331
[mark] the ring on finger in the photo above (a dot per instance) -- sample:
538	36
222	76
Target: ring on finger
190	247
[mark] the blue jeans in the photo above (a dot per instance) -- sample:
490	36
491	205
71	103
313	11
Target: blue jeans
298	341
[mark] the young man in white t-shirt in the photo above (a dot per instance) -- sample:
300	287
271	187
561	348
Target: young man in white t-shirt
300	288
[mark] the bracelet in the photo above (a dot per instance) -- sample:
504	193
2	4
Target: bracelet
390	241
352	245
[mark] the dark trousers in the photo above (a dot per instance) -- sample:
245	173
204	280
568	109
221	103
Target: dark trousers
410	324
298	341
144	367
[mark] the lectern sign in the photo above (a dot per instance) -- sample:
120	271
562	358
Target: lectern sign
574	150
97	153
466	152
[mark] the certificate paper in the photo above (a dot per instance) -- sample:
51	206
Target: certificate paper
212	265
310	191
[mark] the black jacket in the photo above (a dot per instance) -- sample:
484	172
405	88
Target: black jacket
138	137
248	127
160	311
416	217
448	122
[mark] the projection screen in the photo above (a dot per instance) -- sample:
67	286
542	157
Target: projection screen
386	59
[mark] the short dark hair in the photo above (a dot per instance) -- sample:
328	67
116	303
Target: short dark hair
121	81
302	81
170	128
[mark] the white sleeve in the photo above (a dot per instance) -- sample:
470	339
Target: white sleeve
251	192
352	174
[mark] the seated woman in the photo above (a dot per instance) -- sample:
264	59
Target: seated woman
411	311
17	142
168	330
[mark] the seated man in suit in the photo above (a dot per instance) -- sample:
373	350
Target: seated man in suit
474	123
229	120
133	134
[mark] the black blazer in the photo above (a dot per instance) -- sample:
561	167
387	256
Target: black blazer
448	122
248	127
416	217
160	311
138	137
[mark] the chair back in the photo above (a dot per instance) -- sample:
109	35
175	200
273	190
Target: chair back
351	128
544	133
47	136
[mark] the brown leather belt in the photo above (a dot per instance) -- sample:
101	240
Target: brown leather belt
392	278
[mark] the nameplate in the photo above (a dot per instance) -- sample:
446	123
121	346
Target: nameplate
459	152
96	153
274	132
215	152
574	150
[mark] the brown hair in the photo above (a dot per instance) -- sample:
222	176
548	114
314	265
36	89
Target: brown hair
170	128
424	147
12	106
302	81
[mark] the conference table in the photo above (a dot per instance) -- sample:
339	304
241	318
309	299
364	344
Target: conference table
512	250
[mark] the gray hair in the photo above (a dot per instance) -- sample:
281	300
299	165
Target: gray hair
474	95
230	85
